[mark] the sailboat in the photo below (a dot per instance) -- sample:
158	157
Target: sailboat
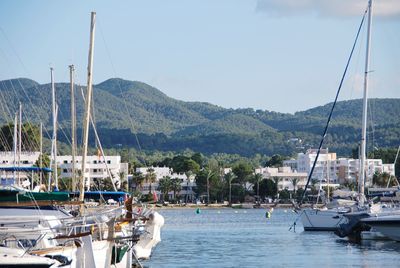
330	219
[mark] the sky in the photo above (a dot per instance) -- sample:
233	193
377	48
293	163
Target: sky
276	55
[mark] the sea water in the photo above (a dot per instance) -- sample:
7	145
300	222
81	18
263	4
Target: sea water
247	238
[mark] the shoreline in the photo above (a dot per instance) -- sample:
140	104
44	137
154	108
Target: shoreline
223	206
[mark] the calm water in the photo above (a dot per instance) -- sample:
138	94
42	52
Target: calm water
245	238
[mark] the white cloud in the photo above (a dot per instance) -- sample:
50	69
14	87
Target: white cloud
329	8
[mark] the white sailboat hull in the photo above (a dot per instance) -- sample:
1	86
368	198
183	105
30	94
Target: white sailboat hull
322	220
150	238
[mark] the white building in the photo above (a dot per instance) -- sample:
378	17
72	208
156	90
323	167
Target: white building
342	170
7	159
96	167
287	178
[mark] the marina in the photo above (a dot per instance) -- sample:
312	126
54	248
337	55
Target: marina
244	237
118	174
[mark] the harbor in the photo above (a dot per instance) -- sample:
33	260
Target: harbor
244	237
102	171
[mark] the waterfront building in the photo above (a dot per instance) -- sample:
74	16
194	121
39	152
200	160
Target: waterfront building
96	168
336	170
8	159
286	177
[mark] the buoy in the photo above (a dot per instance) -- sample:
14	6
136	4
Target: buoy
198	211
268	215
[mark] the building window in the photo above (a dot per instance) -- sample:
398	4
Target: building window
65	170
65	161
108	161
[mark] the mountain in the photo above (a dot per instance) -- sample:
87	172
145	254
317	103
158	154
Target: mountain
124	108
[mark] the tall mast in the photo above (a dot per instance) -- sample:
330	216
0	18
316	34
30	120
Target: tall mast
87	108
15	143
365	108
41	153
73	124
19	140
53	94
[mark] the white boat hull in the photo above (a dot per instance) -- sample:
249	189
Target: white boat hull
150	238
321	220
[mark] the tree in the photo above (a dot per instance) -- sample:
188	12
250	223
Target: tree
165	185
29	141
268	188
229	178
198	158
138	179
123	181
257	178
275	161
176	186
242	171
382	179
295	181
150	177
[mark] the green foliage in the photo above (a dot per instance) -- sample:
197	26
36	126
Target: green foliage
242	171
275	161
29	141
176	186
127	108
382	180
268	188
165	185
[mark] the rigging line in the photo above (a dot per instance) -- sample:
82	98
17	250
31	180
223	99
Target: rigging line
6	116
333	107
33	143
120	88
23	66
17	95
357	68
99	144
18	79
394	164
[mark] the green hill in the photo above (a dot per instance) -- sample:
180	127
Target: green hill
123	108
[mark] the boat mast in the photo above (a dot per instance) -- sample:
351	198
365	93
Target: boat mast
365	108
87	108
73	123
41	153
53	94
19	141
15	143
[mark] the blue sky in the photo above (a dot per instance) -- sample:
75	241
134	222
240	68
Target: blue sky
277	55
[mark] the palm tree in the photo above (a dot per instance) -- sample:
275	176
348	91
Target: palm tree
164	185
150	177
123	181
276	181
257	178
295	181
176	186
138	179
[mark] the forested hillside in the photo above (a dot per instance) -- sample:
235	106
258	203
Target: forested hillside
123	108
